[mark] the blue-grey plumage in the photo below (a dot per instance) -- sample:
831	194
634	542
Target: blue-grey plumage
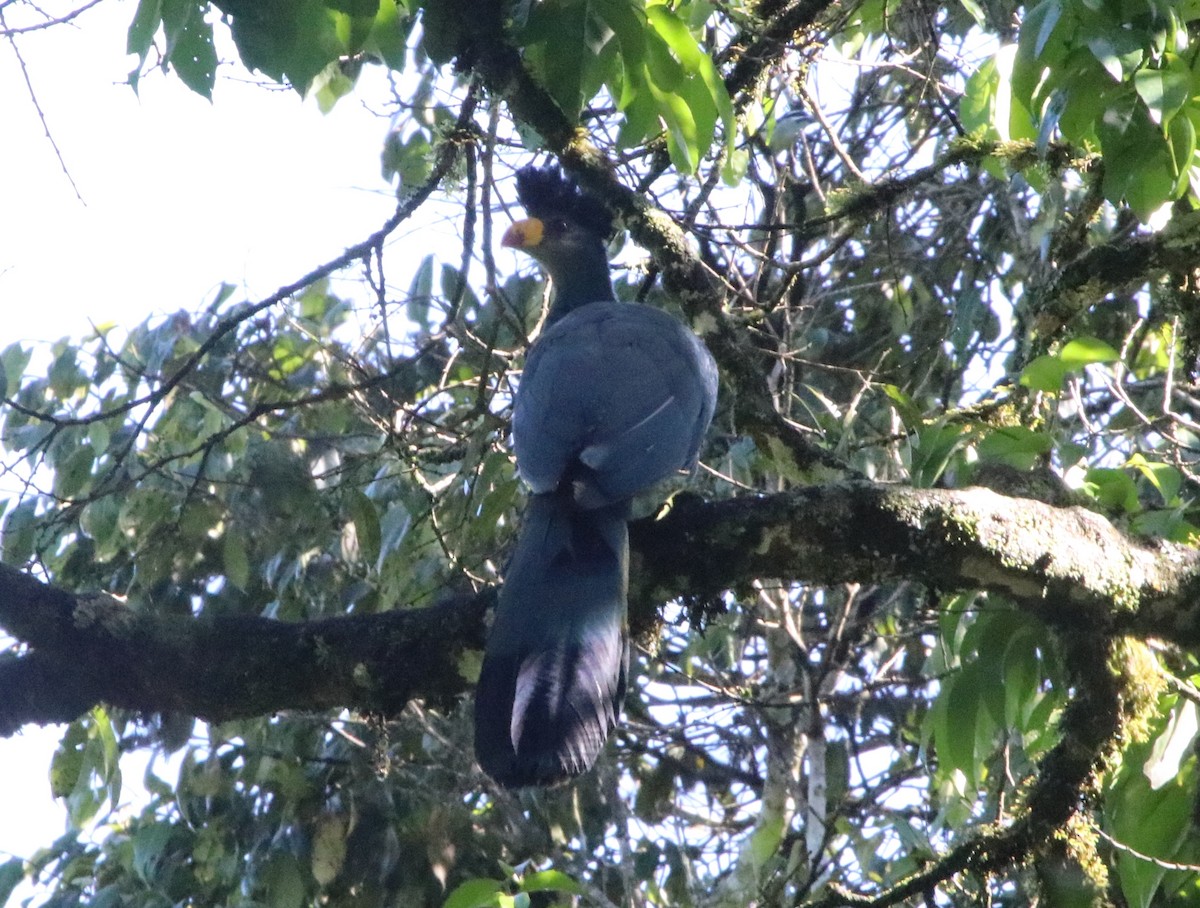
615	397
624	389
554	676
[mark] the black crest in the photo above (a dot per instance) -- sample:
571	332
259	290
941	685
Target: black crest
545	193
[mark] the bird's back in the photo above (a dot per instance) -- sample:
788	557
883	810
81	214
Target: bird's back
615	397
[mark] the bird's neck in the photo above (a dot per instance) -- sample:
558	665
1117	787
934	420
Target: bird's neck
585	281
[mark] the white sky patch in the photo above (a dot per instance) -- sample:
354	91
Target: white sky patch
178	194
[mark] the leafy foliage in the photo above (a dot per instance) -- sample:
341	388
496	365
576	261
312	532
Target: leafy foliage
928	246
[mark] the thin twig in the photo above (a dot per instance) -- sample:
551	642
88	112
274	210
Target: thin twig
9	33
49	23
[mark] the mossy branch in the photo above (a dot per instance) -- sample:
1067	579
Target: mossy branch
1068	565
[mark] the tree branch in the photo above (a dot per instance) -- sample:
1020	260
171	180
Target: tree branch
1117	266
1065	564
1069	565
91	648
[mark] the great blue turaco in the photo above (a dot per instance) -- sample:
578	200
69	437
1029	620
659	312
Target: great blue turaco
614	398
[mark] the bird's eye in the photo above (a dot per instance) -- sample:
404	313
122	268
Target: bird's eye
558	225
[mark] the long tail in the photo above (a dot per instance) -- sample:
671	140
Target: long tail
554	672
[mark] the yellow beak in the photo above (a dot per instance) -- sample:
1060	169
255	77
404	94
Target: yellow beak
523	234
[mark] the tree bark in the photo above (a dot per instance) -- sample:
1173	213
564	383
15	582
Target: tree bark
1069	565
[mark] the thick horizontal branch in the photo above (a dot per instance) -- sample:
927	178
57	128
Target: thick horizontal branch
1064	563
1067	564
90	649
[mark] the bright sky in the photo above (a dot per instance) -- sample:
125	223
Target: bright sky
178	196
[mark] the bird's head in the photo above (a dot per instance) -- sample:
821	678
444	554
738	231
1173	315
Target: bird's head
552	239
565	232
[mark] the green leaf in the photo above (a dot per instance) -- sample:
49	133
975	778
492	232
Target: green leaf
975	11
977	106
1118	50
1150	822
454	288
1040	23
389	35
1045	373
1152	185
1087	91
20	532
932	449
189	45
672	30
65	375
149	845
550	880
328	849
142	29
905	405
1020	69
420	293
475	893
963	724
11	874
702	73
103	739
1173	746
1000	635
283	880
72	474
1112	488
646	89
1083	351
558	47
629	30
703	88
366	525
1138	166
99	521
440	30
393	529
1022	679
682	139
290	41
332	84
1164	90
352	22
1166	479
235	558
13	362
765	840
1181	142
1017	446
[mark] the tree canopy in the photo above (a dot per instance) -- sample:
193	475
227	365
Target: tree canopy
921	630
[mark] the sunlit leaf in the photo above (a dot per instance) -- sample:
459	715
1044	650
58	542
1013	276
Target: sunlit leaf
475	893
550	880
1083	351
1164	90
1112	488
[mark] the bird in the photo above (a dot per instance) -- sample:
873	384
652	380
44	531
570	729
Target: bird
614	398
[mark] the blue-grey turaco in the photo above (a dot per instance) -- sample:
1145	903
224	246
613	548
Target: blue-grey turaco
614	398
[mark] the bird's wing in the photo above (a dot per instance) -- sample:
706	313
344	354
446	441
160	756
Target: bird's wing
626	391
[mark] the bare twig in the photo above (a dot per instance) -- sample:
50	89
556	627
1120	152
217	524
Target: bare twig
10	34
